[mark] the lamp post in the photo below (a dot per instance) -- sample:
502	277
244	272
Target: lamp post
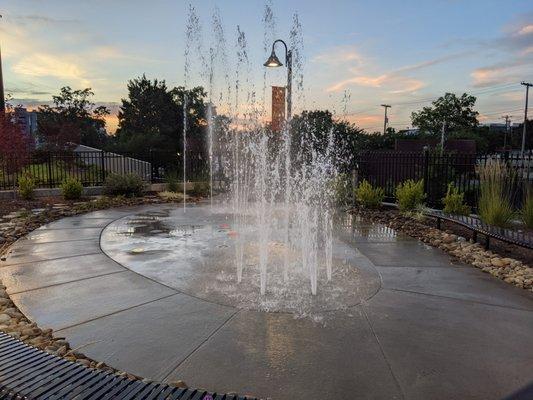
273	61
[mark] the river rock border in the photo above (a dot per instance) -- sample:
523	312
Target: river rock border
507	269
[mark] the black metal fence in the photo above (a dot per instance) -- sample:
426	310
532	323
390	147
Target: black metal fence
387	169
51	169
165	164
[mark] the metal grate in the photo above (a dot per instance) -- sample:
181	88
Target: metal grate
29	373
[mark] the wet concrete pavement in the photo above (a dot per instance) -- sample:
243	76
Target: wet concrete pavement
432	329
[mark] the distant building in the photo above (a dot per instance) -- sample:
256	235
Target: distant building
498	126
27	120
409	131
278	108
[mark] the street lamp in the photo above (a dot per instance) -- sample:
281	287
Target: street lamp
273	61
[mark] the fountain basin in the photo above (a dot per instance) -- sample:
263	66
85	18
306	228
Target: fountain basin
194	252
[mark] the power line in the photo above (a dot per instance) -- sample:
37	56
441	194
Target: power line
480	92
483	91
501	112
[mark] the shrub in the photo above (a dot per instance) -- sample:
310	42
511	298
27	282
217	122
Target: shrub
527	210
342	189
201	189
454	202
172	181
368	196
71	189
495	186
26	187
129	185
410	195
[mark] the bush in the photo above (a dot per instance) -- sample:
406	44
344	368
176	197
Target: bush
454	202
410	195
342	189
527	210
71	189
368	196
495	186
200	189
129	185
171	178
26	187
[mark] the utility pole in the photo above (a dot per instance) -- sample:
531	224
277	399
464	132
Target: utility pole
527	85
386	120
2	97
507	129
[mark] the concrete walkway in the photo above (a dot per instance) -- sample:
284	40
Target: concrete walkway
433	329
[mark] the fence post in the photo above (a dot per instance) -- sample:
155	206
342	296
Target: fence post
426	171
102	165
152	173
50	159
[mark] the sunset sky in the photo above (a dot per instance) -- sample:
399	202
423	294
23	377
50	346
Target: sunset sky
358	54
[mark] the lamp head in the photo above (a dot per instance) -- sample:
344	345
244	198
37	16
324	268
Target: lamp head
273	60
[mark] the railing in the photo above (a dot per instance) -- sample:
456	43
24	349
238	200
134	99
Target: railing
166	163
512	236
389	168
51	169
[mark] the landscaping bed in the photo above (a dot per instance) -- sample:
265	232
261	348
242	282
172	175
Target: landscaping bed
506	262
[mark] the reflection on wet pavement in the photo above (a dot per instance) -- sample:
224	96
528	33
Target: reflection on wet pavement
195	251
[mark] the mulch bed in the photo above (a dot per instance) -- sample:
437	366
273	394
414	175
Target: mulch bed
8	206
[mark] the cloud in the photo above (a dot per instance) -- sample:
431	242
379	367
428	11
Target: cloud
33	19
397	81
516	46
394	83
430	63
501	73
339	55
525	30
32	92
364	119
42	64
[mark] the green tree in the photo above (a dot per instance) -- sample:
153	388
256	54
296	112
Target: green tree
457	113
151	117
72	119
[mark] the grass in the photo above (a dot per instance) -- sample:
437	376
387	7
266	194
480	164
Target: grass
527	210
496	182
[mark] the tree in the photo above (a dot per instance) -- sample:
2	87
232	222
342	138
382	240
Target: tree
152	118
311	132
457	113
72	119
14	144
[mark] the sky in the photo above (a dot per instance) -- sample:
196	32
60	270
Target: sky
356	55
